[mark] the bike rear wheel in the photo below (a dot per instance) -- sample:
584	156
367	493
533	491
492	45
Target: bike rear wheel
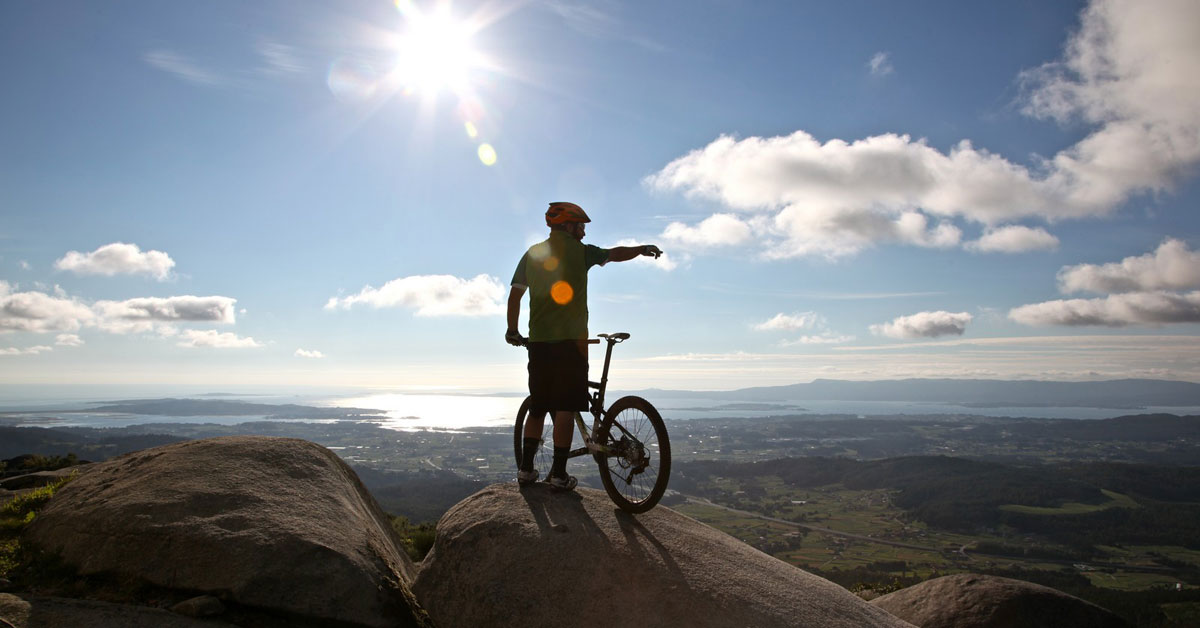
545	454
637	466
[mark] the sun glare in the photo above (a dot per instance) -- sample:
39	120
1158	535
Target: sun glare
427	59
434	51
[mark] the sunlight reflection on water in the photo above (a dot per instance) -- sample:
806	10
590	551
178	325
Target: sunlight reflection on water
425	411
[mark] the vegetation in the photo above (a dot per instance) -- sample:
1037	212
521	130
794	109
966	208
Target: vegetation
15	515
418	495
872	526
31	463
417	539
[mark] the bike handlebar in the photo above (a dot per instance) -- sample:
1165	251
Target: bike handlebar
618	337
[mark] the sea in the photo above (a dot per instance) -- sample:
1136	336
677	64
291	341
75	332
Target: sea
62	406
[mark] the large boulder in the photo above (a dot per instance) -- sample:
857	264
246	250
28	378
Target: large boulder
270	523
529	557
975	601
52	612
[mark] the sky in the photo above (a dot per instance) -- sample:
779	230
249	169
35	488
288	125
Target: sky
228	194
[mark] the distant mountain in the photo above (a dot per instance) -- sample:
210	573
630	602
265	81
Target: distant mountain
1117	393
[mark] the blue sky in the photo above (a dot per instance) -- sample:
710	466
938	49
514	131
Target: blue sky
335	194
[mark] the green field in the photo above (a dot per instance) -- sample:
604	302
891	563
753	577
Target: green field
864	530
1115	500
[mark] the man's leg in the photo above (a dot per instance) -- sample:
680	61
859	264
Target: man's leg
564	428
563	431
534	422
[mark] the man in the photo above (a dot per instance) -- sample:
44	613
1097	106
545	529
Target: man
555	273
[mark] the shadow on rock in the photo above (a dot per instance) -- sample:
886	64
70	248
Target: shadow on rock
529	558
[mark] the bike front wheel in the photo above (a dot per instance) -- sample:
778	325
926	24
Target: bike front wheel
545	452
637	462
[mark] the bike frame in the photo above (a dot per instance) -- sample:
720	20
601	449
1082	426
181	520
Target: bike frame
596	402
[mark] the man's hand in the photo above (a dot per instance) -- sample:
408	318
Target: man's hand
626	253
514	338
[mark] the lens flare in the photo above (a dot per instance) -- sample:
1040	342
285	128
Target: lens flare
472	132
487	154
562	292
551	264
352	81
539	251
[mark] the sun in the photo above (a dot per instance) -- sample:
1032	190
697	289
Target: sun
434	51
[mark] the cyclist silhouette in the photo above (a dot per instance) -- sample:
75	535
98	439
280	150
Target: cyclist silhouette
554	272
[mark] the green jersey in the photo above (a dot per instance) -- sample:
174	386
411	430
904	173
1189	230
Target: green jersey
555	271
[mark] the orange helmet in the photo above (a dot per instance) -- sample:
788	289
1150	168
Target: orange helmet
562	212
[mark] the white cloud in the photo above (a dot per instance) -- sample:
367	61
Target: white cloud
1075	357
1142	288
1116	310
182	67
925	325
716	230
25	350
789	322
803	320
68	340
25	265
149	313
118	258
1014	239
836	198
1079	343
1170	267
1132	71
880	64
833	232
305	353
40	312
196	338
432	295
825	338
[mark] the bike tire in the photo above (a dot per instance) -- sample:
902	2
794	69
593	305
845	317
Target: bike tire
545	455
636	470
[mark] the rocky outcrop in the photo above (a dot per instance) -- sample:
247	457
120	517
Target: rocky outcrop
267	523
529	558
975	601
52	612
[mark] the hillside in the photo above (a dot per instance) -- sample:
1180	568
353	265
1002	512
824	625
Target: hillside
1120	535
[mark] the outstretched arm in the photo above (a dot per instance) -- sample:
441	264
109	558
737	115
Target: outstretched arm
625	253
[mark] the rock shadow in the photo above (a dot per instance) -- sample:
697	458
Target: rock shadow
558	512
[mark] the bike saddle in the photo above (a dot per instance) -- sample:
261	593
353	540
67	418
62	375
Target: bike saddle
619	336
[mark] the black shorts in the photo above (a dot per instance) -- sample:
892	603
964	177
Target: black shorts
558	374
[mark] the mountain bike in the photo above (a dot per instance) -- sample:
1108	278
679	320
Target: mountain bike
628	441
